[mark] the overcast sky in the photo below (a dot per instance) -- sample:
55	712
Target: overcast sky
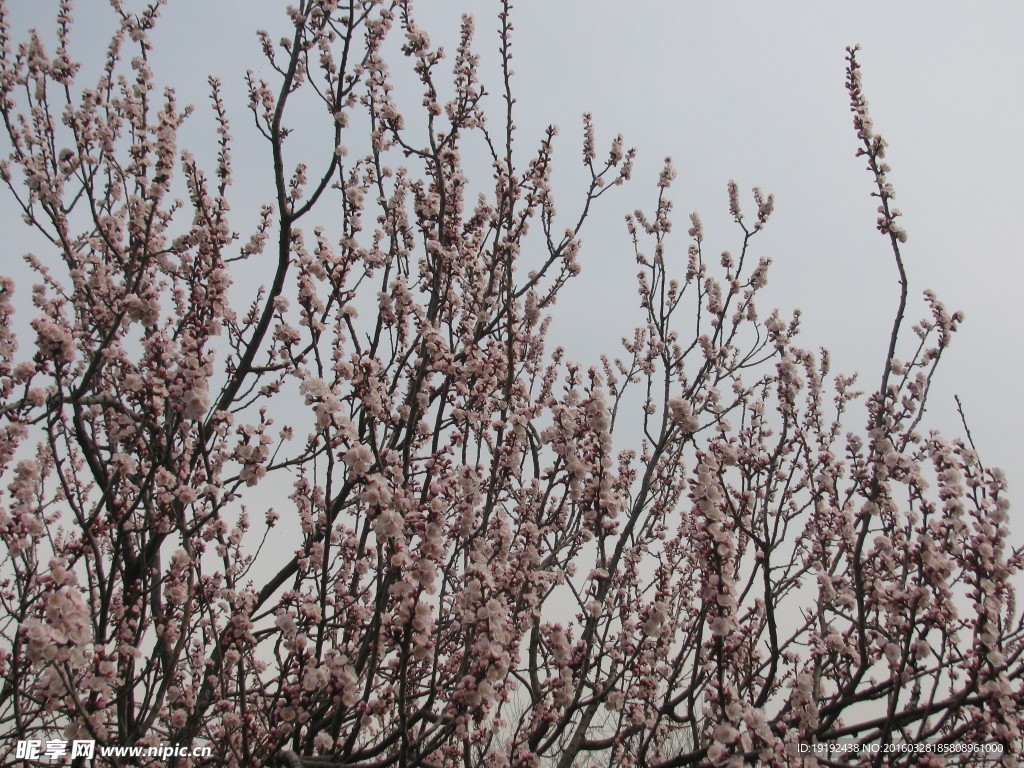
754	92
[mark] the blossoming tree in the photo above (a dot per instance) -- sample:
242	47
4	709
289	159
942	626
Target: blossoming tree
473	567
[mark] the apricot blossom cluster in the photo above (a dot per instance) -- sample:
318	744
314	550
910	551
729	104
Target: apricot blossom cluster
362	514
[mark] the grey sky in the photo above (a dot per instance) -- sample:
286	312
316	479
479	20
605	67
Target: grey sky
751	91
